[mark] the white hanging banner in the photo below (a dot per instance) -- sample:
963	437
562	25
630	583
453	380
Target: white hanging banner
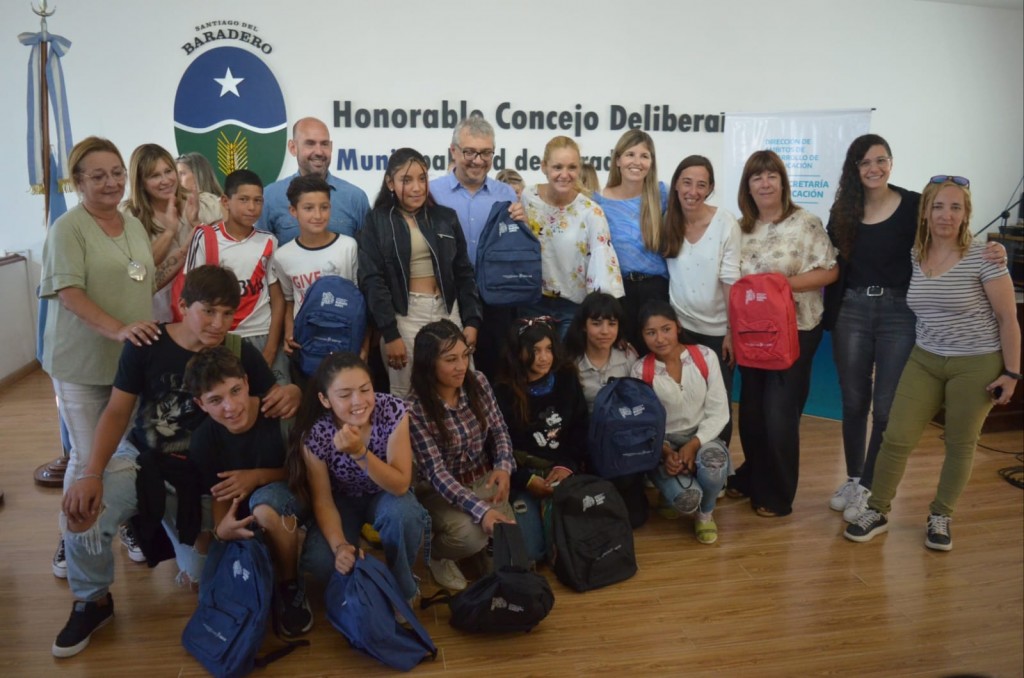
812	144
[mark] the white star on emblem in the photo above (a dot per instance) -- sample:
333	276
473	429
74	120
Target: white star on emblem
229	83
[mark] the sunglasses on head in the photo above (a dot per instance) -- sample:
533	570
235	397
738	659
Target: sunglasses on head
527	323
943	178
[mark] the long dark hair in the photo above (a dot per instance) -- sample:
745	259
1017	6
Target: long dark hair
515	368
595	306
310	411
432	340
674	225
848	209
399	159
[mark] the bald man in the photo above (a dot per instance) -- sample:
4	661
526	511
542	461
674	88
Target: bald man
312	147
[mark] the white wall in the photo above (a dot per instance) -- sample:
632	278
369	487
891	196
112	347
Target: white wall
946	79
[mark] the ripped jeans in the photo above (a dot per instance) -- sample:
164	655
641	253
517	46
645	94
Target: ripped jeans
688	494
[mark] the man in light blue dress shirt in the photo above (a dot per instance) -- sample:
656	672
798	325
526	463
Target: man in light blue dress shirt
312	147
471	193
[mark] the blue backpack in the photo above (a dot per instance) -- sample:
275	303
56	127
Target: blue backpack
508	270
362	606
627	429
227	629
332	319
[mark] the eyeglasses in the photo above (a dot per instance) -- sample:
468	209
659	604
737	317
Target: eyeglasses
100	178
881	162
943	178
542	320
471	154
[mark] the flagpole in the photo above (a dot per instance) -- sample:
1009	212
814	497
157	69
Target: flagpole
44	105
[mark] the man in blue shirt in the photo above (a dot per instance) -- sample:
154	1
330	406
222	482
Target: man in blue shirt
471	193
312	147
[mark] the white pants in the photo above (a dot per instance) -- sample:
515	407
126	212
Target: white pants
80	406
423	309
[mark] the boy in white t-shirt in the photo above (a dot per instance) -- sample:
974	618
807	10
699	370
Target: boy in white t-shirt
316	252
248	253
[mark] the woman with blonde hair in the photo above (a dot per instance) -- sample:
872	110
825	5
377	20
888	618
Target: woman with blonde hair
168	212
966	358
577	256
196	173
634	201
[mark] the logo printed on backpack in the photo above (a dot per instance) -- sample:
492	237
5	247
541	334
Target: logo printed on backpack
328	299
751	295
590	502
237	570
499	603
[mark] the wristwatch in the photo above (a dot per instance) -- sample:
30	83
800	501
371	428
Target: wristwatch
1013	375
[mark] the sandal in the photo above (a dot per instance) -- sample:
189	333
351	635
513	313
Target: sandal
765	512
706	531
734	493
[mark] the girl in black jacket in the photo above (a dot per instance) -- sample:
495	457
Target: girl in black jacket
413	265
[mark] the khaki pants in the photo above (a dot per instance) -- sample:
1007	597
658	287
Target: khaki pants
456	536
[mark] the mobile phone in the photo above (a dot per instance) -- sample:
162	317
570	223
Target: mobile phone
997	393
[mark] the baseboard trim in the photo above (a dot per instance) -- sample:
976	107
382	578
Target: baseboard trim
19	374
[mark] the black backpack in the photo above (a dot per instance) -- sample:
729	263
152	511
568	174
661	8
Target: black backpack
591	540
509	599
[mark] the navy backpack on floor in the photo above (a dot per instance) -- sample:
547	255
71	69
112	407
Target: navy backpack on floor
627	429
227	629
362	606
508	271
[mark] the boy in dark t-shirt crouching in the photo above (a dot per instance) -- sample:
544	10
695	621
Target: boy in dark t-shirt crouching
237	448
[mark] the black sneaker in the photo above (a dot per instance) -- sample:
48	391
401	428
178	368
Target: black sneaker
292	614
60	562
84	620
939	537
868	525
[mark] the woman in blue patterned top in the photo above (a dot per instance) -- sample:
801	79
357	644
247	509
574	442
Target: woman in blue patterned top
351	461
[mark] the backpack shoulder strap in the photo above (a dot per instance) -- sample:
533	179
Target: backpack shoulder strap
698	360
648	373
509	547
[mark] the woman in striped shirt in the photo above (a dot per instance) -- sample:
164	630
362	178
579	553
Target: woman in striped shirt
966	358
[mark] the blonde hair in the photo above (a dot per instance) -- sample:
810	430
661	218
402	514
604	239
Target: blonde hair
650	193
85	147
588	178
559	143
144	159
923	237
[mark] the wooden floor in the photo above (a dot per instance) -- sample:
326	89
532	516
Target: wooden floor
784	597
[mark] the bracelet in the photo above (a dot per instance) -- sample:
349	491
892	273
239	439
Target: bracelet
362	456
89	475
1013	375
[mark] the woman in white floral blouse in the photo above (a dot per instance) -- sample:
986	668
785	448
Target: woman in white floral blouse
577	256
778	237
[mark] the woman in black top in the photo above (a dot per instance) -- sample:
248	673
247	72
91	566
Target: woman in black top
543	404
413	265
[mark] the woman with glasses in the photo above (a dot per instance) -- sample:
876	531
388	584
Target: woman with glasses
543	405
634	201
462	450
413	265
872	225
99	277
966	358
168	211
577	256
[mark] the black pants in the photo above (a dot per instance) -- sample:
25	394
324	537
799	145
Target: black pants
491	339
639	292
771	402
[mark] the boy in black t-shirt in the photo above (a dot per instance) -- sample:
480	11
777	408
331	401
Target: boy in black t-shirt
237	447
104	495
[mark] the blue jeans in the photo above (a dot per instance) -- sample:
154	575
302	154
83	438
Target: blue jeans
403	525
90	555
873	335
699	491
531	523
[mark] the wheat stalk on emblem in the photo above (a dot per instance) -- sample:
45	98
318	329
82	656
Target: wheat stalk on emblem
232	155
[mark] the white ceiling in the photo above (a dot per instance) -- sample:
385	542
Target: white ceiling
999	4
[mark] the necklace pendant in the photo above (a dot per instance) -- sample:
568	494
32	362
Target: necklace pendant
136	271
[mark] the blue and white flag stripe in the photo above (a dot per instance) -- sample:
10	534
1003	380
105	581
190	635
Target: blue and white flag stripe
38	156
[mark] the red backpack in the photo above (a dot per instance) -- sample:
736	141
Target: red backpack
763	319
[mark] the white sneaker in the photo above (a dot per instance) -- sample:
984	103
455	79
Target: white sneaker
447	574
60	562
127	535
858	502
842	496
